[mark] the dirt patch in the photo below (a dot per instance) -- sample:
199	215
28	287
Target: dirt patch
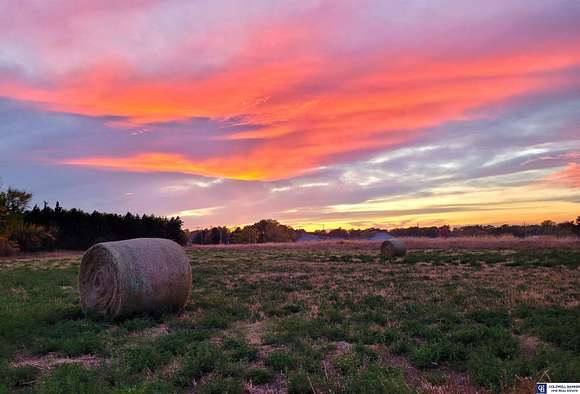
49	361
529	344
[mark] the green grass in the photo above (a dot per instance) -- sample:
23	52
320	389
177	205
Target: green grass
303	319
547	258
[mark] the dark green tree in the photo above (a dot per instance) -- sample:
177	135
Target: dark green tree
13	203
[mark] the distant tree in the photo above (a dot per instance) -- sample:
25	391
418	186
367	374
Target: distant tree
266	230
444	231
13	203
246	235
338	233
270	230
548	227
250	234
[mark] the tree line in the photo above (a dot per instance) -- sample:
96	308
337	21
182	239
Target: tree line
548	227
271	231
50	228
76	229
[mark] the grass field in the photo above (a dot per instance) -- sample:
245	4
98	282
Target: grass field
324	318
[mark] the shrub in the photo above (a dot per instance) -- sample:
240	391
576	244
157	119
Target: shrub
33	238
8	247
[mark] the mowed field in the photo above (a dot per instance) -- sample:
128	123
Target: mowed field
453	317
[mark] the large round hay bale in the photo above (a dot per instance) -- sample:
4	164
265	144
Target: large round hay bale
144	275
393	248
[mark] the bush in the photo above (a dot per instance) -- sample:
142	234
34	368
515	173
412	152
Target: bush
8	247
33	238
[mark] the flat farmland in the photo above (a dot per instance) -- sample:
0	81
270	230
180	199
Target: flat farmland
332	317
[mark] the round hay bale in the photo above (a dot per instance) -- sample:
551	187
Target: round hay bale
144	275
393	248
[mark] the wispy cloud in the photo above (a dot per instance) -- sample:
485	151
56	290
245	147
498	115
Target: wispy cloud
196	212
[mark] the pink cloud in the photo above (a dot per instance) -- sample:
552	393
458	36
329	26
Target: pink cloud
569	176
313	97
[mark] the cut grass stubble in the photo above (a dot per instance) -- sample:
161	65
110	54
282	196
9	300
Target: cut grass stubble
305	319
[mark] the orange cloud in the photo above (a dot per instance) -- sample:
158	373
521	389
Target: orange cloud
166	162
308	114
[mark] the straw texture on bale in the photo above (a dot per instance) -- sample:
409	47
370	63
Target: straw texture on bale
144	275
393	248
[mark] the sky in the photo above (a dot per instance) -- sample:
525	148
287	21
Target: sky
315	113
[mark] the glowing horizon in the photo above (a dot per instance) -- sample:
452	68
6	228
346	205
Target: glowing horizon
320	112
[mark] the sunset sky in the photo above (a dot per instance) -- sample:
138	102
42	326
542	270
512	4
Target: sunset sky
336	113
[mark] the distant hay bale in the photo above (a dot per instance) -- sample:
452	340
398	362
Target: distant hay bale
144	275
393	248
